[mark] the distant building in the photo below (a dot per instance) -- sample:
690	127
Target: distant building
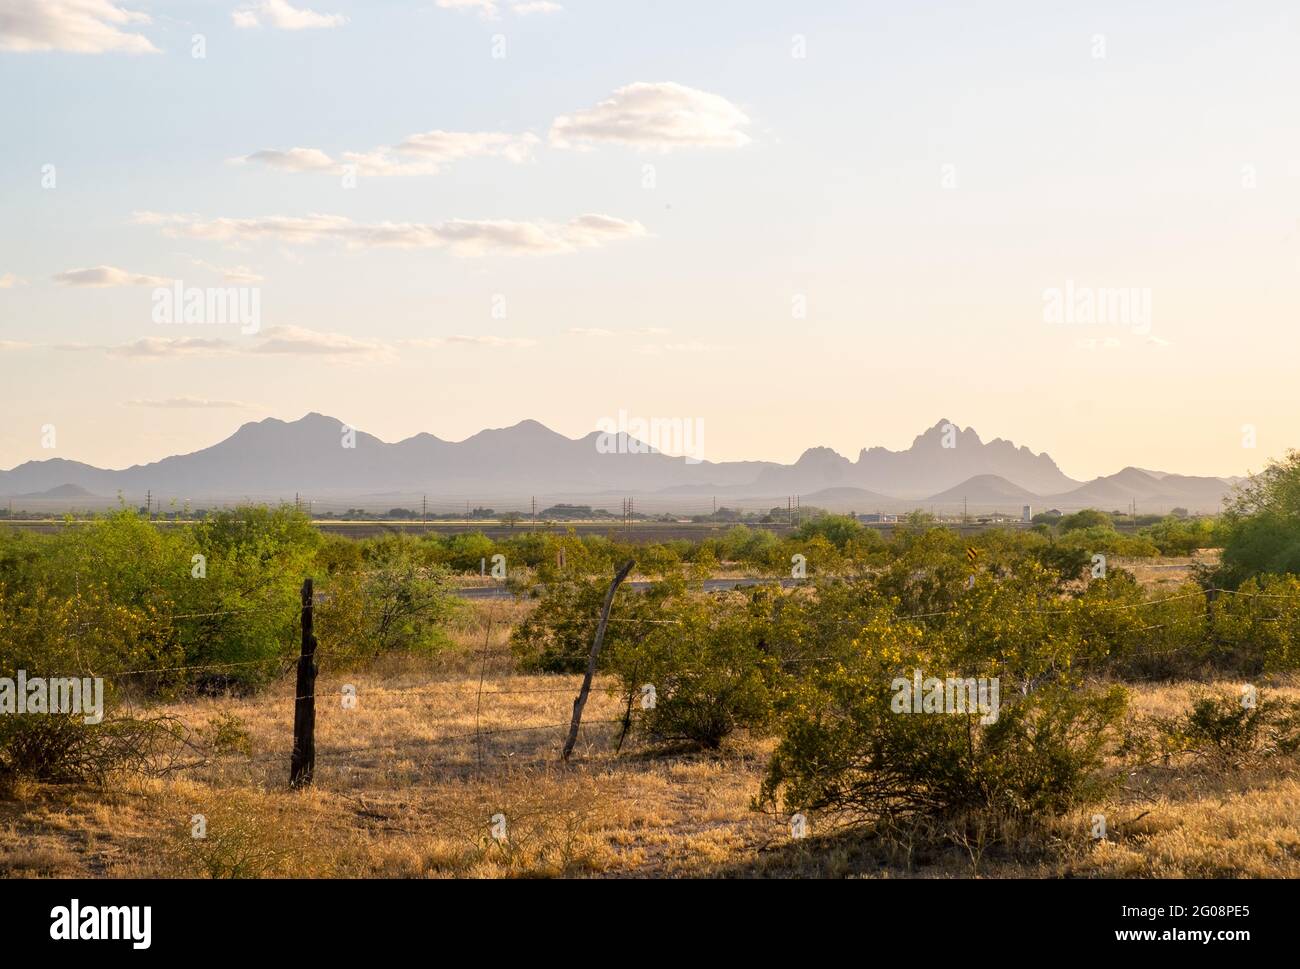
877	518
1026	514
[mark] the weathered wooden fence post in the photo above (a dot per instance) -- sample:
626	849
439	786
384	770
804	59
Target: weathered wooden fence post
303	762
581	700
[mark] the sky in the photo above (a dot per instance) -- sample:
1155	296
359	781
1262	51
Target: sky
796	224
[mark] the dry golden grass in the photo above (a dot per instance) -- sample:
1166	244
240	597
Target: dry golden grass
408	782
1168	572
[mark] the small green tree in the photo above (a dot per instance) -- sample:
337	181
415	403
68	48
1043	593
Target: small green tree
1262	524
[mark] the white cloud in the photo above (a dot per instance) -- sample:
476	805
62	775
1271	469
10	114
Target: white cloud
239	275
444	146
102	276
280	15
187	403
420	154
492	341
157	346
486	8
436	342
79	26
9	281
275	340
490	9
463	237
13	345
299	341
293	160
601	332
656	117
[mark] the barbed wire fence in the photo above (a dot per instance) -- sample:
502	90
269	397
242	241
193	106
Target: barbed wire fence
498	676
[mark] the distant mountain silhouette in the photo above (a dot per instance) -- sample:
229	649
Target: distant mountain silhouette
1148	490
62	491
985	489
857	499
939	458
272	459
929	466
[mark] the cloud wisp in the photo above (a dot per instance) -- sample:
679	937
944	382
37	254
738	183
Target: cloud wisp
426	153
76	26
280	15
100	277
661	116
462	237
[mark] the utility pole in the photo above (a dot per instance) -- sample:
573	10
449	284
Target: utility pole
963	509
148	503
424	512
534	513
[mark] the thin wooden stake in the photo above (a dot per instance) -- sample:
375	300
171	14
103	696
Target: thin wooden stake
581	700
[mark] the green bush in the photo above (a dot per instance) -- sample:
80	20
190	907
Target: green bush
556	636
845	752
1183	536
709	672
1088	518
390	603
1256	627
1261	526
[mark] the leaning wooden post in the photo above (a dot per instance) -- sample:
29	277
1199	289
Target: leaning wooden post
303	762
581	700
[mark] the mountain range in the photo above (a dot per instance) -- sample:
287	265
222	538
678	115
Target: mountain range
944	466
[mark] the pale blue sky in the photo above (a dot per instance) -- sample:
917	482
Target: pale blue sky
1128	170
